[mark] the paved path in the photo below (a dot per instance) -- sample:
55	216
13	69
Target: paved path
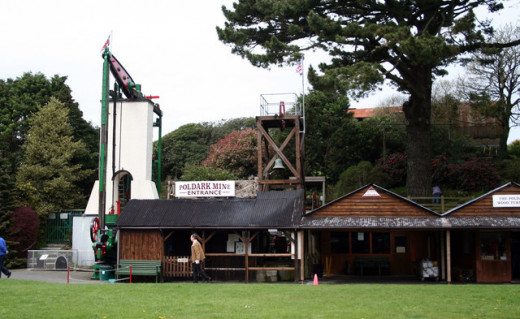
55	276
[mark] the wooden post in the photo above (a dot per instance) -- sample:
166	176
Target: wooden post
448	256
302	255
443	256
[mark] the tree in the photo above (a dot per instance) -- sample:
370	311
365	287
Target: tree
21	97
408	43
236	153
360	175
50	172
206	173
494	83
187	145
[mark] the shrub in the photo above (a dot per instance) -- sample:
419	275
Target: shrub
395	166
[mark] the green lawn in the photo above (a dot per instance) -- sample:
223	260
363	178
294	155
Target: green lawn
29	299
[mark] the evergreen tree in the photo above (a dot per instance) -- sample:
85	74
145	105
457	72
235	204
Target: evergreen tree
408	43
49	173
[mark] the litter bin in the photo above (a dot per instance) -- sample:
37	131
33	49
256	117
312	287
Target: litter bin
105	272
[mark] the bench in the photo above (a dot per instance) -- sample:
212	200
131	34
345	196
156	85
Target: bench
371	262
140	268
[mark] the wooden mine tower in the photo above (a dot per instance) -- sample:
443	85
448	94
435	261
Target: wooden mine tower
281	131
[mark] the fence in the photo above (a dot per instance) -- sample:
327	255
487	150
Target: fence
440	204
59	227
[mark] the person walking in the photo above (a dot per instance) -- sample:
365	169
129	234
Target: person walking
3	253
197	256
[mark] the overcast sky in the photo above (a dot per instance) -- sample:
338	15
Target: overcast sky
169	47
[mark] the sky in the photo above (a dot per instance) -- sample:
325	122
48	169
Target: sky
171	48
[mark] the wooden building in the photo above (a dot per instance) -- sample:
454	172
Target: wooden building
372	231
483	236
243	238
375	231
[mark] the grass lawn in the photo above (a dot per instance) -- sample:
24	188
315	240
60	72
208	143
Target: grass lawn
30	299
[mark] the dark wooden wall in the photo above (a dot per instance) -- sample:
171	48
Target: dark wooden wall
484	206
141	245
386	205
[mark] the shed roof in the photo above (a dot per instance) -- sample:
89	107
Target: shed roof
268	210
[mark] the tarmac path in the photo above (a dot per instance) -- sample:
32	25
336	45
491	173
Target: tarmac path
54	276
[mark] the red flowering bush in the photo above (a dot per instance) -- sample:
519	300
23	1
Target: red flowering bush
477	175
473	175
395	166
236	153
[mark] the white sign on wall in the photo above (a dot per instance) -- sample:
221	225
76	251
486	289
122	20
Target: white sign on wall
506	200
205	189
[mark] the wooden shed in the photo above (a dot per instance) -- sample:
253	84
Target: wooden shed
243	238
372	231
483	236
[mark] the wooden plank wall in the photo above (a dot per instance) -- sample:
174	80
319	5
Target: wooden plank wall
386	205
141	244
484	206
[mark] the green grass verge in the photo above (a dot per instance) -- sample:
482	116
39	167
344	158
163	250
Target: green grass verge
29	299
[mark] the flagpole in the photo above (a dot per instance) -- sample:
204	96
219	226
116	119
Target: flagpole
303	94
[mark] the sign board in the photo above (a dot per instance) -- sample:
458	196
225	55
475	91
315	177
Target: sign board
205	189
506	200
182	260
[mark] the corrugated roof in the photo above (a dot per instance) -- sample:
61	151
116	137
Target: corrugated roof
268	210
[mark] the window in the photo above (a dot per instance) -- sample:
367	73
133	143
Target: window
339	242
381	243
493	246
361	242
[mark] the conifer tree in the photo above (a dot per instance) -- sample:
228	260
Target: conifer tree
49	173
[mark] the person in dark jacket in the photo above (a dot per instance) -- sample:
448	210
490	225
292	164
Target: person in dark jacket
197	256
3	253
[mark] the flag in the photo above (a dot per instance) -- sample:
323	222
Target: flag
107	44
299	69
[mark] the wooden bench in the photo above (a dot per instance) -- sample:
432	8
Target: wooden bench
140	268
371	262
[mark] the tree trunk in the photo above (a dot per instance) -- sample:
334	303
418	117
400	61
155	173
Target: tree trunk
419	170
418	147
504	135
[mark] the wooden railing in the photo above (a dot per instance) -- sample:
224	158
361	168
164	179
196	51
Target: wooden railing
444	203
181	266
177	266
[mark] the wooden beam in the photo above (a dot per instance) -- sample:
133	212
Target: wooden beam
448	255
272	143
282	147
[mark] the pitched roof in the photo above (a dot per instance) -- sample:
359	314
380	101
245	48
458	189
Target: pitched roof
483	197
268	210
372	206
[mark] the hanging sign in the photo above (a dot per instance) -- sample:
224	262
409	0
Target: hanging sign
506	200
205	189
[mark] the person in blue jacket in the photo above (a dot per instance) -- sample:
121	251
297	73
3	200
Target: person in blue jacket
3	253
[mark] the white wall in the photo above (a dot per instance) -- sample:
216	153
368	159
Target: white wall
81	240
